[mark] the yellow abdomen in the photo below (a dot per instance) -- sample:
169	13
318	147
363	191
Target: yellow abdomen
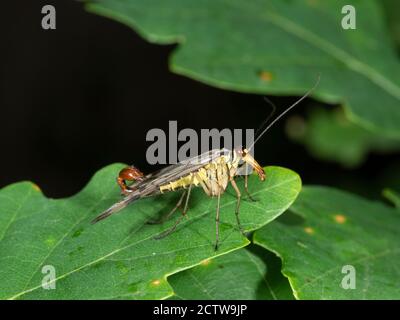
213	178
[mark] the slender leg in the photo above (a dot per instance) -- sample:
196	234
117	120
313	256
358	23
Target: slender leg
247	189
187	198
217	223
172	229
167	216
238	196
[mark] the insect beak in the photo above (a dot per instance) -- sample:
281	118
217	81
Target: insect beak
251	161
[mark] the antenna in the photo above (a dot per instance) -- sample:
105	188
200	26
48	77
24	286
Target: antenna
284	112
269	116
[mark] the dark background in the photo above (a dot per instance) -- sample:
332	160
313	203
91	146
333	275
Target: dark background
80	97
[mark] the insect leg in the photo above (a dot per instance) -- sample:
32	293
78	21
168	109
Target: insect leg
172	229
246	188
167	216
238	195
217	223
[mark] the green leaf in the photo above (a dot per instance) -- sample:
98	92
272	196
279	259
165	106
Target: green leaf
242	275
330	136
392	9
277	47
119	257
392	196
329	230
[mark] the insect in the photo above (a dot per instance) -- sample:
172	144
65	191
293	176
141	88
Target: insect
213	171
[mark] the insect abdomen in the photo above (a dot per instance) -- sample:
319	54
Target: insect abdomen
183	182
213	177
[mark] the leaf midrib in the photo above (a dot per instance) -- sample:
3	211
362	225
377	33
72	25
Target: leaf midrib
341	55
347	59
132	244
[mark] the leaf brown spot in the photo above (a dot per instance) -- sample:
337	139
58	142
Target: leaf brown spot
309	230
339	218
156	282
265	76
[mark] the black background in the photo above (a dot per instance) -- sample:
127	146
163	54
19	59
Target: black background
77	98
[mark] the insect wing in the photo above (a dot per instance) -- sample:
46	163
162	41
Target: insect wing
150	185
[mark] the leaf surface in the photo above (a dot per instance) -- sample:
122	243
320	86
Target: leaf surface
392	196
277	47
241	275
330	136
324	233
119	258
